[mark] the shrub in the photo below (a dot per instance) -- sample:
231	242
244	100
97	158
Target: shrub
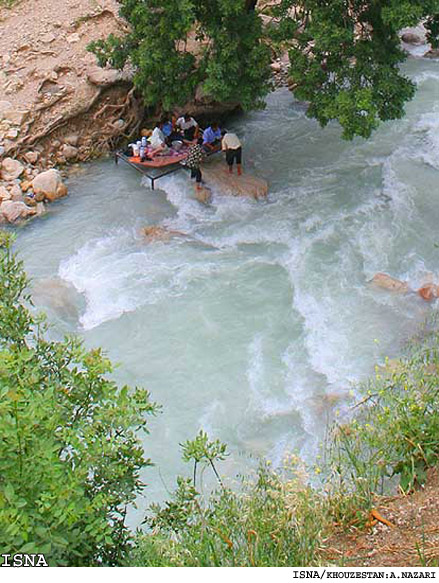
70	452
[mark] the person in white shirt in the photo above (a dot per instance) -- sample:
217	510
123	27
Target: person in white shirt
232	146
157	140
188	126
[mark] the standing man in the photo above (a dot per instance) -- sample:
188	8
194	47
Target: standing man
232	146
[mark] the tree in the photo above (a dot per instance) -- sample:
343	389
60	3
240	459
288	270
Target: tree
70	451
345	57
345	54
230	62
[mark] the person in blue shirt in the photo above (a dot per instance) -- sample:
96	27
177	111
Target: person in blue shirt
212	137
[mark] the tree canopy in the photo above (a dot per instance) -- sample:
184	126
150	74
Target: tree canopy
345	54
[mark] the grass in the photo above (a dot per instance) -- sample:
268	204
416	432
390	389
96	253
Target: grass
388	442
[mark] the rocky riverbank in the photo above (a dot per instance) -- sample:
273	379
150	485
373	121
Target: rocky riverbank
57	107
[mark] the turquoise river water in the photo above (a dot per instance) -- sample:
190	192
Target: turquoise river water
255	325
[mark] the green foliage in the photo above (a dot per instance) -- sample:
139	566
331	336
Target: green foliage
395	432
230	62
266	523
70	454
345	56
201	450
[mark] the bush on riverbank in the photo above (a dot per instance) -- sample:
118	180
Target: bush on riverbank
70	453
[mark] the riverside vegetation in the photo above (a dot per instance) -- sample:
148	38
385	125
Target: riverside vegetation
71	457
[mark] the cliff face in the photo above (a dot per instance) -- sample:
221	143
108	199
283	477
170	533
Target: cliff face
54	100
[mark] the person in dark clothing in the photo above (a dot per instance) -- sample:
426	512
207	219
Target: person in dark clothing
193	161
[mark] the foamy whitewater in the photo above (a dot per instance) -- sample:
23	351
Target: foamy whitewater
258	323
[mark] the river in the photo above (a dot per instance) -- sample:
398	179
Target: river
257	326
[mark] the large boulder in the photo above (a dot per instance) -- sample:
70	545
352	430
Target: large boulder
107	77
14	210
217	177
49	185
11	169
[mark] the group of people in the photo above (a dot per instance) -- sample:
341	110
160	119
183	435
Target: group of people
174	132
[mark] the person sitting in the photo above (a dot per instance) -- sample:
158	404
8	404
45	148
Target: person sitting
168	126
193	161
188	126
212	137
157	140
232	146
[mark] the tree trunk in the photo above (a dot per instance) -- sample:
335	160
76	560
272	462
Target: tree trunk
250	5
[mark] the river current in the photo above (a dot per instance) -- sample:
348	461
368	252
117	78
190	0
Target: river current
257	325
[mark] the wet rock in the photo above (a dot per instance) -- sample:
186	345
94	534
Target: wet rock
11	169
40	208
203	195
432	54
14	210
50	185
158	233
217	176
385	281
59	297
412	38
429	292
